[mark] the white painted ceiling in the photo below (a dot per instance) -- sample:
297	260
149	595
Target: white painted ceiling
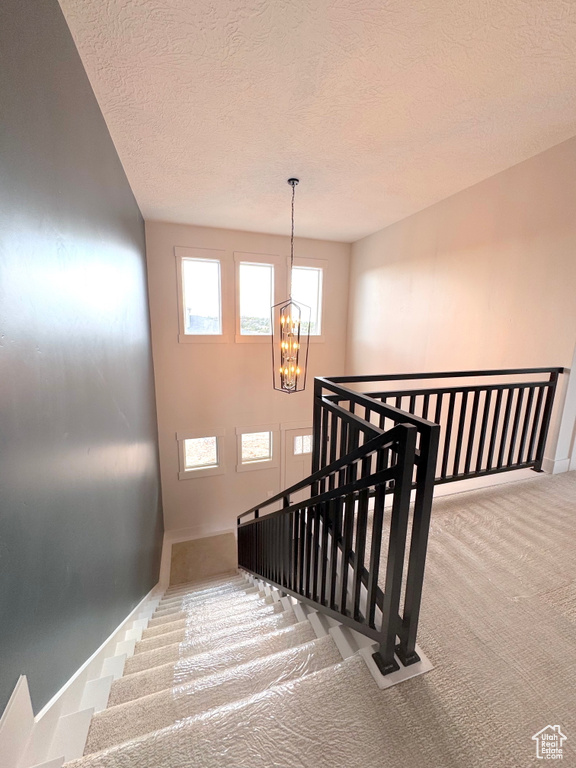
381	107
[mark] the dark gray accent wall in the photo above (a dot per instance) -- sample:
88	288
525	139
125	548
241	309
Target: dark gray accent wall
80	514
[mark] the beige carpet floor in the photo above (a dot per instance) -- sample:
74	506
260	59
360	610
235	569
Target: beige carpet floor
499	622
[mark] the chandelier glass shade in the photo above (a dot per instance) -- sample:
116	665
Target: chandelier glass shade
290	334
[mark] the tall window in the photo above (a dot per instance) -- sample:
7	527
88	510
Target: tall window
256	291
307	288
202	297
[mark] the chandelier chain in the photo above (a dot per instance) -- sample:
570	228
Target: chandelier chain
292	239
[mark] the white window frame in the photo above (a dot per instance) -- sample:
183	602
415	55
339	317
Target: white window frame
226	279
280	271
192	474
323	265
250	466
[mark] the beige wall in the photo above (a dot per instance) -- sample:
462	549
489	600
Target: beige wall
486	278
483	279
227	385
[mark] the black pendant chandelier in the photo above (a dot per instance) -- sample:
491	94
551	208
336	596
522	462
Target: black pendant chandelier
290	333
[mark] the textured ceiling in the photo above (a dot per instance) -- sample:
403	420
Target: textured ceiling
381	107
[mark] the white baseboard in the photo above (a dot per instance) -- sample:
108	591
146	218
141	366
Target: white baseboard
58	732
555	467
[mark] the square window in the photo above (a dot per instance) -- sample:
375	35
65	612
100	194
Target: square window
302	444
256	292
256	446
200	453
307	288
202	302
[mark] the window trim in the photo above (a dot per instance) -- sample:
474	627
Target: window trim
280	272
323	265
251	466
192	474
204	254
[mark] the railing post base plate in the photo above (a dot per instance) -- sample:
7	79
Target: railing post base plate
385	669
403	673
406	660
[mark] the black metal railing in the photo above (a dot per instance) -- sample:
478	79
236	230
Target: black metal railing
327	549
330	549
487	427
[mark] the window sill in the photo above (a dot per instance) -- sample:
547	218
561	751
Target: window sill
193	474
247	339
192	338
256	465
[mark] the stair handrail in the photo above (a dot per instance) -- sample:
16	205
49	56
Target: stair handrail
357	454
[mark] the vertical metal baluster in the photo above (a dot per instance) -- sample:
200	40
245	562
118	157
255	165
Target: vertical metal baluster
347	533
353	441
315	554
471	431
448	435
301	550
343	451
360	550
296	545
324	450
333	447
375	548
460	434
494	433
515	425
326	518
485	415
308	566
412	407
337	509
527	414
425	406
535	423
505	425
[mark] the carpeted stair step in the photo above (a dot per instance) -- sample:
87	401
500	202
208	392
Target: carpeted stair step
213	597
195	627
207	621
198	586
239	583
229	589
250	599
238	606
209	609
187	668
146	657
330	718
159	710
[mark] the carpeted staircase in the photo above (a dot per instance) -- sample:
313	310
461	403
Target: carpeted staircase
224	676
